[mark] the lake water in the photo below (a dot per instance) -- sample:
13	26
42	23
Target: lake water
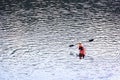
34	44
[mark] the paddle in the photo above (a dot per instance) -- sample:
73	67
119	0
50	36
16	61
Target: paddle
71	45
90	40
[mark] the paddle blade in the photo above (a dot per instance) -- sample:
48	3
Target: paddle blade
91	40
71	45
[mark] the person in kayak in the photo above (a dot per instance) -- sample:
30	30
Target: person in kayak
81	51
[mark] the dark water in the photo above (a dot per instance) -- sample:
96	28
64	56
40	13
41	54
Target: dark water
35	38
11	6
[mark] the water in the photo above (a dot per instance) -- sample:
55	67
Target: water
34	44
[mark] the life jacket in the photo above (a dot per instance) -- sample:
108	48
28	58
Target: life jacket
82	50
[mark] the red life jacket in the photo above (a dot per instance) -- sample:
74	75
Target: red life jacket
82	50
